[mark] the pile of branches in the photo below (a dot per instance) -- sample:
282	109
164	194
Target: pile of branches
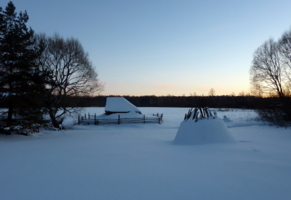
199	113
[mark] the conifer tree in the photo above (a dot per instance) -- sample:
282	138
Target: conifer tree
19	74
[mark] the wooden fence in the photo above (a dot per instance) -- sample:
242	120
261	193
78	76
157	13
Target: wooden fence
93	119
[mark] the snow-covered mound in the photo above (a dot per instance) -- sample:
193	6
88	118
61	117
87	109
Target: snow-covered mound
202	129
203	132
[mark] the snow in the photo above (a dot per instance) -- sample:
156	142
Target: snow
119	104
203	131
199	128
121	115
140	161
226	119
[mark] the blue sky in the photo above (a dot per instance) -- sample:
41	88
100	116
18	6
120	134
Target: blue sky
165	47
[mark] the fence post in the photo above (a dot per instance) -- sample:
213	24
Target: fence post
95	118
88	115
144	119
79	119
118	121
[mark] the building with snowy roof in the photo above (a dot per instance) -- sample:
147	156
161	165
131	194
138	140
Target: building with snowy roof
119	105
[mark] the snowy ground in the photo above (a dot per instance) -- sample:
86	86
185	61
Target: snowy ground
139	161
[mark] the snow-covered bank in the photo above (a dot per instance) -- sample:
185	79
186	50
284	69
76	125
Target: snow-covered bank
139	161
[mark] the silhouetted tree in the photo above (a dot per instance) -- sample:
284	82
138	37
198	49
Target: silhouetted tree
211	92
285	52
270	77
19	74
267	70
72	75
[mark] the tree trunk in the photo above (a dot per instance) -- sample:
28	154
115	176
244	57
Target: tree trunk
10	114
54	120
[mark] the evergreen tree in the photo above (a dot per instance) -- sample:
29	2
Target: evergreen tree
20	78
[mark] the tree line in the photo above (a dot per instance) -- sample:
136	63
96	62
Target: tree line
248	102
39	72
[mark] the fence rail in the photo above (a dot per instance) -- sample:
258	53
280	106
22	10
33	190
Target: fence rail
93	119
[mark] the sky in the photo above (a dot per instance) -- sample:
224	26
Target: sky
164	47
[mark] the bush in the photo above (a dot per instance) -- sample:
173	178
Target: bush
276	112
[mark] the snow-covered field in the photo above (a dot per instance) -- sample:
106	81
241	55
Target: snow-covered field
139	161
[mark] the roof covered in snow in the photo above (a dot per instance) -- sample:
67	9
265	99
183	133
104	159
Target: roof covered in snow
119	104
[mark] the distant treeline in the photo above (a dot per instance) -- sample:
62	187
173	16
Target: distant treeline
250	102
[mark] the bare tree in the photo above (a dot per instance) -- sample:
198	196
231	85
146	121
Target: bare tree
285	51
211	92
193	94
241	94
72	74
232	94
270	78
266	72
